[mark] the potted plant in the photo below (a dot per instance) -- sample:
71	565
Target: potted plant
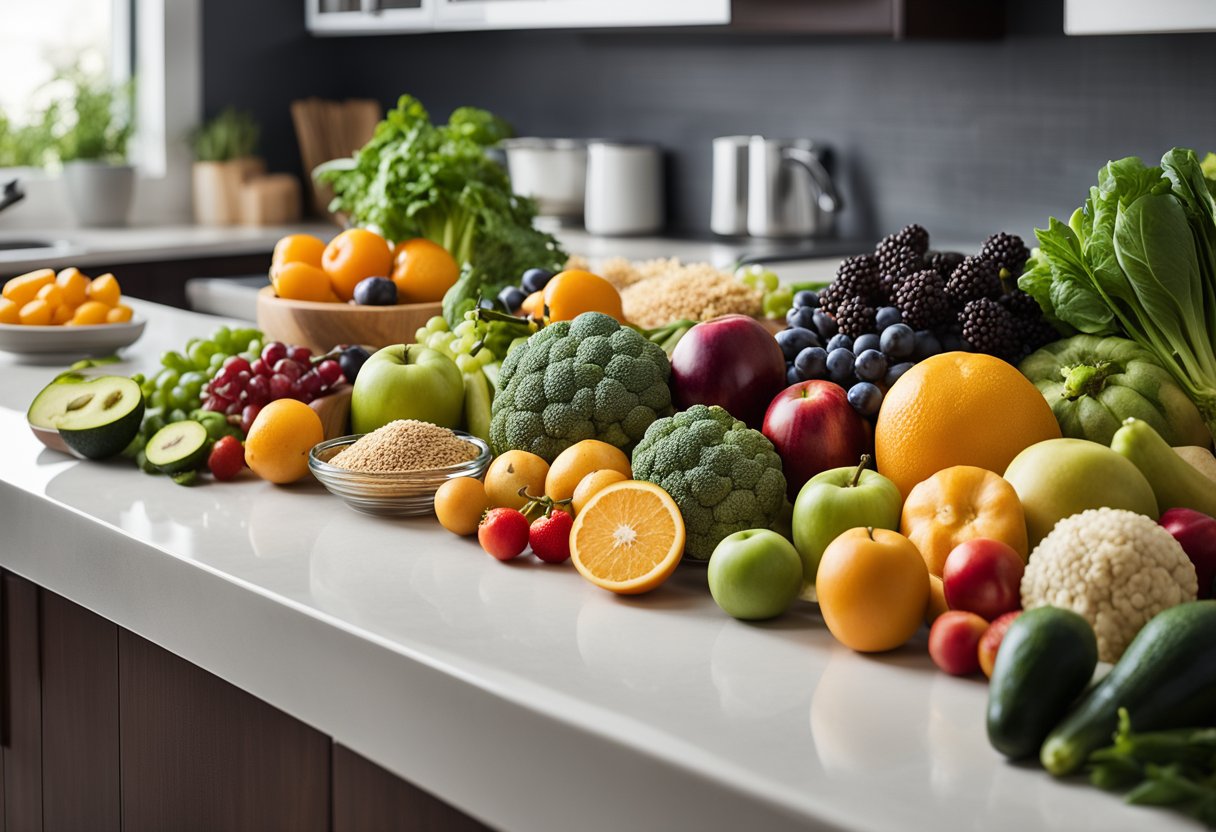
93	148
224	160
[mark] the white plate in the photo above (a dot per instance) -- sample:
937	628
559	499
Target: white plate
78	341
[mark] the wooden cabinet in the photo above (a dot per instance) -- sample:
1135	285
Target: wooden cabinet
104	731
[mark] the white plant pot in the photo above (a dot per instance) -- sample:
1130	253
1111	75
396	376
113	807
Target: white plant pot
99	193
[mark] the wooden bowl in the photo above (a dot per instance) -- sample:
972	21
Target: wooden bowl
320	326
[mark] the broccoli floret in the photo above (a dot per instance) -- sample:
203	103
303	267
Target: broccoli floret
724	476
589	378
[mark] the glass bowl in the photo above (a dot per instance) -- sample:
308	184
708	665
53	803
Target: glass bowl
395	494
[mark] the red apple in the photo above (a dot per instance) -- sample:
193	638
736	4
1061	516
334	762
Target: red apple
1196	532
731	361
983	576
954	641
814	428
990	641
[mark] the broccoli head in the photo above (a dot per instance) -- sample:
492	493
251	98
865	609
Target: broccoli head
589	378
724	476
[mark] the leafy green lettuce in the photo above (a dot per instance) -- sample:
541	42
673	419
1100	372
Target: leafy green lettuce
1138	259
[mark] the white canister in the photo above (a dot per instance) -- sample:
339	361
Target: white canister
624	189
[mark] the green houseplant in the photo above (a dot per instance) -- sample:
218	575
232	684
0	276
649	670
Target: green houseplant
224	161
95	127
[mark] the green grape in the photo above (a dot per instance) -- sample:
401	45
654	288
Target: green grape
485	358
200	353
466	328
166	380
770	281
255	346
179	397
139	379
222	338
249	356
215	423
246	336
176	415
193	377
467	363
420	335
176	361
778	302
437	324
215	362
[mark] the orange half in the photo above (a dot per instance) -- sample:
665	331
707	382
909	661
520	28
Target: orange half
629	537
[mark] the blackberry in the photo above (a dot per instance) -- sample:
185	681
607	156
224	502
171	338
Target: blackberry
899	268
990	329
914	237
974	278
855	317
944	262
1022	306
857	277
922	300
1008	252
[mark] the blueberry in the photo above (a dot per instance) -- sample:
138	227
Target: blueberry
871	365
791	374
512	298
840	366
895	372
825	324
839	341
869	341
800	318
375	291
898	341
812	362
535	279
806	298
887	316
351	360
866	398
926	345
485	303
794	341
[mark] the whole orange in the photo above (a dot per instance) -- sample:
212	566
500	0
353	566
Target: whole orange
354	254
579	460
574	291
298	248
873	589
300	281
958	504
280	438
958	408
423	271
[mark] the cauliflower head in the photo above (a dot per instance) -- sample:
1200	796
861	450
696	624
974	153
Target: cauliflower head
1115	568
724	476
589	378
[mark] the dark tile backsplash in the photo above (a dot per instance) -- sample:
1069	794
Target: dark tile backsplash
963	137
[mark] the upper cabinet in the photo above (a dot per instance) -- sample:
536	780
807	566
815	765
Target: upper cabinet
1112	17
897	19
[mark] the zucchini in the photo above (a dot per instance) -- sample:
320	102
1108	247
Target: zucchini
1166	679
178	447
1047	658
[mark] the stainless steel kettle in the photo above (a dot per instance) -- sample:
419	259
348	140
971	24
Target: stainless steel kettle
790	192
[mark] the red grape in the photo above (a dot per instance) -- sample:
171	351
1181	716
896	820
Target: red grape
288	368
236	364
249	413
258	389
233	409
216	403
259	367
299	354
329	371
280	386
274	352
310	383
222	377
242	379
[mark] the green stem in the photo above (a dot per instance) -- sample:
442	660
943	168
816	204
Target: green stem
861	466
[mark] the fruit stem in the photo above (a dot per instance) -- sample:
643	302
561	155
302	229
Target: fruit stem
861	466
1087	379
540	506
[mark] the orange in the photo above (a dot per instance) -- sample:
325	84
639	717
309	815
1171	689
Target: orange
280	438
90	312
937	600
62	314
75	286
574	291
958	504
24	288
10	312
534	305
51	294
510	472
958	408
298	248
300	281
579	460
873	589
353	255
593	484
104	289
629	538
423	271
120	314
459	504
36	313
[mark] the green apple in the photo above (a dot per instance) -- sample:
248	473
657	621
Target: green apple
837	500
407	382
755	574
1058	478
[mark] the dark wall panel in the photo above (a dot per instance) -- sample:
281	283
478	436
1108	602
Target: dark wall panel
965	137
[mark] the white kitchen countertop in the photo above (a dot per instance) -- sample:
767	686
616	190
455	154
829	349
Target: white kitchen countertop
517	692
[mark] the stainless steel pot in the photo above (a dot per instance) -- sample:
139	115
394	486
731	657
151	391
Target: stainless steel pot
790	192
551	171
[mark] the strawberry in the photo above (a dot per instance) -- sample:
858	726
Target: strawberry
550	536
503	532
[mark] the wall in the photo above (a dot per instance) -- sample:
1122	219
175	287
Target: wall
964	137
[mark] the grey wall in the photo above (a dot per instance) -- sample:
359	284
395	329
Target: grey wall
963	137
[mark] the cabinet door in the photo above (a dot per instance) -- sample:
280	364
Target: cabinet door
367	797
21	720
200	754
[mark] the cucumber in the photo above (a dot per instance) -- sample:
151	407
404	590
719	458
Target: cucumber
178	447
1047	658
96	419
1166	679
1175	482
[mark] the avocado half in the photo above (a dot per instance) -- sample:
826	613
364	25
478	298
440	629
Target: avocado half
96	419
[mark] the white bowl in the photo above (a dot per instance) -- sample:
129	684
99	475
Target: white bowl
78	341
